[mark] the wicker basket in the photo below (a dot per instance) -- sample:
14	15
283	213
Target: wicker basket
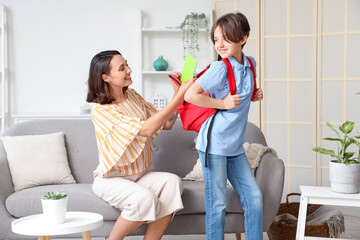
285	229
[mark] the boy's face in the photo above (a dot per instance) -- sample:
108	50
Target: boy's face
225	48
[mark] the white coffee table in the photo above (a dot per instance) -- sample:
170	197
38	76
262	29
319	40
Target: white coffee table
75	222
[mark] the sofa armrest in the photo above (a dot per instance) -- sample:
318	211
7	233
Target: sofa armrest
6	188
270	177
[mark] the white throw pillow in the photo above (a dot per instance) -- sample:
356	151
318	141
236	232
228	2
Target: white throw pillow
37	160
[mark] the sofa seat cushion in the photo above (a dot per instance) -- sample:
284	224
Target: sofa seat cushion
81	198
194	198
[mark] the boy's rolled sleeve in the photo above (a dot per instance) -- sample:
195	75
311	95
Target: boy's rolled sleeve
214	78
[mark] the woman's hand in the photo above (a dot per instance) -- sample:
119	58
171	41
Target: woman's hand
185	86
259	95
231	101
175	86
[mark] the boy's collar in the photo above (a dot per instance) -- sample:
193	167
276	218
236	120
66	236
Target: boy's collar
238	65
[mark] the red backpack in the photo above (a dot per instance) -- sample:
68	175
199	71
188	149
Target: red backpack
193	116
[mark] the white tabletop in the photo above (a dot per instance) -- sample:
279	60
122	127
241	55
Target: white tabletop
324	195
319	191
35	225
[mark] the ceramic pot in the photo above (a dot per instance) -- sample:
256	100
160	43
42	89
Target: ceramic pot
54	210
344	178
160	64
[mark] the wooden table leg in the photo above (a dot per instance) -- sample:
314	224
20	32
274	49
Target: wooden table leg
238	236
86	235
43	237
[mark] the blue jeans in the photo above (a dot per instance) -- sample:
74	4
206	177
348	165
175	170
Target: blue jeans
241	177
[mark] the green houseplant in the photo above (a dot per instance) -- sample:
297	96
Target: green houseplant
345	167
54	205
190	29
54	196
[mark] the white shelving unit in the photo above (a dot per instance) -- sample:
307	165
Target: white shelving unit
156	41
3	69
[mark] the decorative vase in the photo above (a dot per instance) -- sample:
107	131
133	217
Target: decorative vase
344	178
54	210
160	64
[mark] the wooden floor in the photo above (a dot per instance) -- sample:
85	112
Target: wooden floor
352	231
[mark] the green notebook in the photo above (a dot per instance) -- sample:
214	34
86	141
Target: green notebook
189	68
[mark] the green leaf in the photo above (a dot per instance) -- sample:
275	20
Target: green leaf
333	139
358	137
323	151
348	143
347	127
332	128
54	196
348	155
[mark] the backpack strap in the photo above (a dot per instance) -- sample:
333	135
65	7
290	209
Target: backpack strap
208	137
253	72
231	77
202	72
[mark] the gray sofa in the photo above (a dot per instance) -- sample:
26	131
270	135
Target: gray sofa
174	152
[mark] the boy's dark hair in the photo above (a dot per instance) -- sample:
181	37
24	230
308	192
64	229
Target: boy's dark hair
234	27
98	89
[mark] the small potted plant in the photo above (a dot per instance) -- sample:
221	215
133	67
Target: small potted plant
54	205
345	167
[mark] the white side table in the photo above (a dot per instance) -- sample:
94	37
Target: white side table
321	195
35	225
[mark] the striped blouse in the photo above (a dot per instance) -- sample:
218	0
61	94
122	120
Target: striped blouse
120	148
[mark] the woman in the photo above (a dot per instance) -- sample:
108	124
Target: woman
125	125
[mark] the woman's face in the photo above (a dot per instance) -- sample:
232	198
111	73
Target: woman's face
119	75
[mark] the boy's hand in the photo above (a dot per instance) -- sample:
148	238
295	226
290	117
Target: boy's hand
259	95
231	101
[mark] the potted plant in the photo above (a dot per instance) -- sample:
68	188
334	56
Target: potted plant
54	206
345	168
190	29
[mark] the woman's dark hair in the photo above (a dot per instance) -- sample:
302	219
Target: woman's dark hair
98	89
234	27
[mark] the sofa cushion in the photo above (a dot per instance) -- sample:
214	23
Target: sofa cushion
194	198
37	160
81	198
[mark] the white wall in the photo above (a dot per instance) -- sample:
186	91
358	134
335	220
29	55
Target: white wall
51	44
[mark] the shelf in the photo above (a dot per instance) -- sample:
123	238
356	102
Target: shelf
157	72
161	30
168	30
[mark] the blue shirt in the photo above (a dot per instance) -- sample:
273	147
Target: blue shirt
227	136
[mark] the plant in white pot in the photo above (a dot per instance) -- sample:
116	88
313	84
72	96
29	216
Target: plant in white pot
345	168
54	205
